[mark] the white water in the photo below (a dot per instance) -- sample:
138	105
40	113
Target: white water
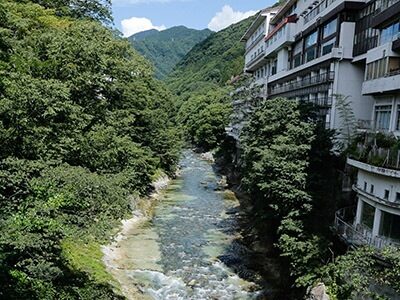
175	255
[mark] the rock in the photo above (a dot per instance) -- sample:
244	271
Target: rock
318	293
192	283
208	156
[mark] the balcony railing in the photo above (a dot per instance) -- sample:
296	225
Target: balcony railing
377	156
316	10
385	4
256	58
305	82
393	73
255	42
359	235
321	102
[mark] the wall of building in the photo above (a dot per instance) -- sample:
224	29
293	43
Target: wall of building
348	82
380	183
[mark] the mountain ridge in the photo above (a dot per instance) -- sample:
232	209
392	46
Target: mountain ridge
164	49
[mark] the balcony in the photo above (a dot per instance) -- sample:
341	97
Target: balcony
386	10
255	62
280	38
255	42
383	158
359	235
388	83
282	35
300	84
317	10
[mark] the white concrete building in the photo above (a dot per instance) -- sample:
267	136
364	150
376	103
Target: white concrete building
377	51
313	50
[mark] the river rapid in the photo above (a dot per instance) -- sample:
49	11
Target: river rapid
179	253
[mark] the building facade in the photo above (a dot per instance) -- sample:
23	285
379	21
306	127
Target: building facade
315	50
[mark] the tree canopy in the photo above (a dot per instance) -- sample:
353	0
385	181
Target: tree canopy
83	128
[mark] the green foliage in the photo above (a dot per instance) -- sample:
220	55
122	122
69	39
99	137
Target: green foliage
362	274
347	117
284	152
201	83
86	257
166	48
276	146
93	9
210	63
204	117
84	126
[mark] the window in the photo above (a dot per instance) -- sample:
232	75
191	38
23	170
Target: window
367	215
311	39
327	46
393	66
386	196
297	52
371	189
397	197
398	118
389	227
310	44
274	67
365	186
389	33
377	69
382	117
311	53
329	28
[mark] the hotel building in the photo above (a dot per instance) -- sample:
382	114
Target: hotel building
312	51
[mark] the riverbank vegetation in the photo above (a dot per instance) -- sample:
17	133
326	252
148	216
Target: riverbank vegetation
288	168
84	127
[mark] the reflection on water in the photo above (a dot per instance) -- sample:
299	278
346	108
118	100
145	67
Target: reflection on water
175	255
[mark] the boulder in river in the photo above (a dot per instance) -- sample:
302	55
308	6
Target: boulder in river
318	293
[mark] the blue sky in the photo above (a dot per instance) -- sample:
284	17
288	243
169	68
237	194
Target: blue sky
131	16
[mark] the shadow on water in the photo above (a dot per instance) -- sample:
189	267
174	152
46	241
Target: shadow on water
193	242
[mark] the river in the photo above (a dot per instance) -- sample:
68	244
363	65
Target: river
179	252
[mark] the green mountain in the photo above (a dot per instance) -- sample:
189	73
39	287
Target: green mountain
200	82
166	48
213	61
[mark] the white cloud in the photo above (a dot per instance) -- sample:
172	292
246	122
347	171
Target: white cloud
134	25
227	16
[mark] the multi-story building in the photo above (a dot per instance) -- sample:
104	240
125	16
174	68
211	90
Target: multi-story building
254	62
315	50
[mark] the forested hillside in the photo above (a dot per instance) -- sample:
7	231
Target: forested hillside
84	127
201	82
166	48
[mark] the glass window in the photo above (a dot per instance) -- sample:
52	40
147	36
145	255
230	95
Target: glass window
311	39
386	195
397	197
394	66
398	118
365	186
311	53
390	226
371	189
389	33
367	216
382	117
297	60
327	46
329	28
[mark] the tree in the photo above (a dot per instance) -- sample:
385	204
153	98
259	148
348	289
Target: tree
347	117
